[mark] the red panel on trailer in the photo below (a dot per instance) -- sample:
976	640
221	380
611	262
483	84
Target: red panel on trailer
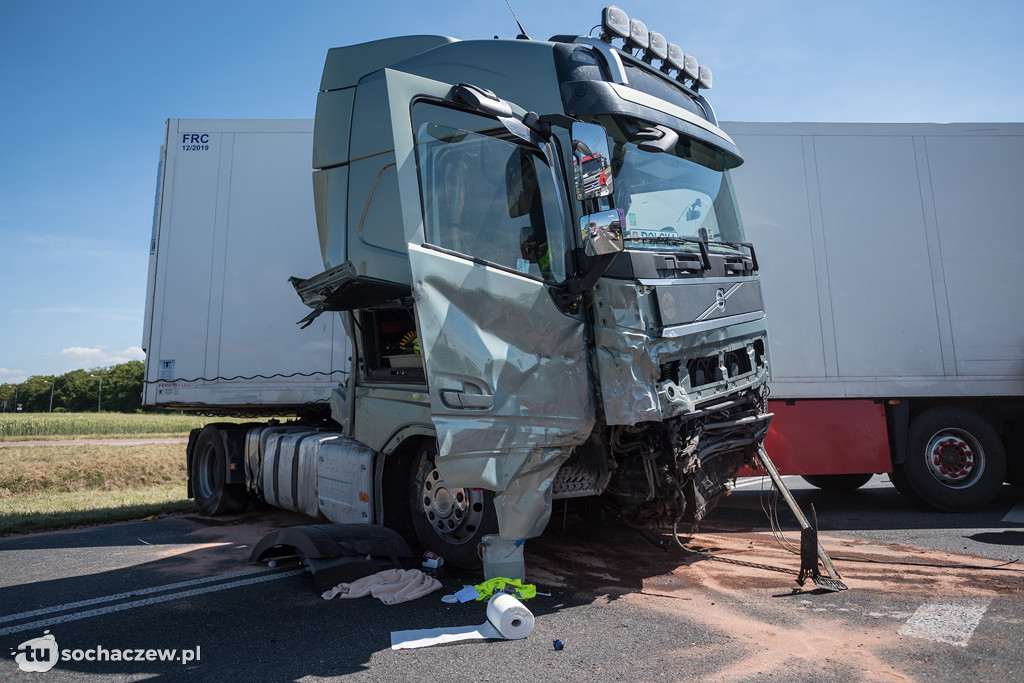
840	436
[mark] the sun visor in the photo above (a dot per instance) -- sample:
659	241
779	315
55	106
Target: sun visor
593	98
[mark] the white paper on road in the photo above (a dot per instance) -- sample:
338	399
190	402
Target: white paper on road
507	619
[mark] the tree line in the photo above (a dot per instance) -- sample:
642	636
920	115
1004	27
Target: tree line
116	388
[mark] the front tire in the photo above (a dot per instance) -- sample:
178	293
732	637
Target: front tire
449	521
213	495
955	459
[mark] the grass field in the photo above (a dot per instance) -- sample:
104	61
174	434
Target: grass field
25	426
48	487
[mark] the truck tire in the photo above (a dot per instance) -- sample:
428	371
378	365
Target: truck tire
213	495
450	522
899	480
955	459
837	482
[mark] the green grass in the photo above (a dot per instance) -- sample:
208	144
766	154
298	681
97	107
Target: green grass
21	426
47	487
41	511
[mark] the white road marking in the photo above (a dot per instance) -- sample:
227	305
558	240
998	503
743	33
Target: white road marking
759	481
946	622
1016	515
75	616
129	594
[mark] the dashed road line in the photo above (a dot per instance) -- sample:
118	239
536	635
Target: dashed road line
758	481
946	622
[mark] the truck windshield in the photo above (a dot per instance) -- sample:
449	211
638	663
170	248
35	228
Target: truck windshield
666	196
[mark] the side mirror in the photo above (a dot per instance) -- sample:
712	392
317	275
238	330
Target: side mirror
602	232
591	161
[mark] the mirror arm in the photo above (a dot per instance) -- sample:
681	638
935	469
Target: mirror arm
541	125
578	285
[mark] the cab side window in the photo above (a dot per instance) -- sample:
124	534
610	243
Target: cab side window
486	195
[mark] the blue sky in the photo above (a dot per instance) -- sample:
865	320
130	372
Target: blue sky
85	88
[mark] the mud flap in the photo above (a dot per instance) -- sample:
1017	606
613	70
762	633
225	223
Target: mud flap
335	553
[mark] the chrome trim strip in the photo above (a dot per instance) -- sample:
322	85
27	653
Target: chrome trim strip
704	326
611	57
700	281
642	98
719	304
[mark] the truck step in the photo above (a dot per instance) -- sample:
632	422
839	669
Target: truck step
574	482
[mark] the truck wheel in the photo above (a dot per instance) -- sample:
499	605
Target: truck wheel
214	496
448	521
899	480
955	460
837	482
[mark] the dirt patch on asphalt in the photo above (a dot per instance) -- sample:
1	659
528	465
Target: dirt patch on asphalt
774	627
603	560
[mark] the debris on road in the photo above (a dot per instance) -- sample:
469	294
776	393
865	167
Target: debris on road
501	584
390	586
507	619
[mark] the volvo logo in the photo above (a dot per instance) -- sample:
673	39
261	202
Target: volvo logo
722	295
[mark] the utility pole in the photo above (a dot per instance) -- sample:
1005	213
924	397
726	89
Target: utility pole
99	394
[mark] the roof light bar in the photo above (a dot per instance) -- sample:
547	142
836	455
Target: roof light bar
615	23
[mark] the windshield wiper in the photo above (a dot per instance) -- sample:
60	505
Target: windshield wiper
739	246
705	260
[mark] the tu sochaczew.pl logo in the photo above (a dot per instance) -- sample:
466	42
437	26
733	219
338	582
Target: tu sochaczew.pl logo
37	655
41	654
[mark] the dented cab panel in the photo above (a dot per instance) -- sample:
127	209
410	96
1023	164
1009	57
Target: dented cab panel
509	386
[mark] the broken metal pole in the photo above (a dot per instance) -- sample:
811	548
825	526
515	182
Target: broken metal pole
773	473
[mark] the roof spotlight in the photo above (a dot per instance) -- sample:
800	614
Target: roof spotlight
673	59
638	35
657	49
615	23
691	69
704	78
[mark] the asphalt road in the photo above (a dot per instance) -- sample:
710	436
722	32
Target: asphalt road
624	609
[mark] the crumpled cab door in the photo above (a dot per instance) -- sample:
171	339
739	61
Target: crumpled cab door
508	376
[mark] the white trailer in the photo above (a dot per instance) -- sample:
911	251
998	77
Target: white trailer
233	220
893	265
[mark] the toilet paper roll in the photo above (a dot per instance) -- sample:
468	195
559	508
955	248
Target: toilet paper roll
507	619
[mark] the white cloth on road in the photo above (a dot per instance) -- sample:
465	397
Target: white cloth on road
390	586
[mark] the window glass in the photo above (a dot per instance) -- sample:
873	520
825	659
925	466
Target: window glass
487	196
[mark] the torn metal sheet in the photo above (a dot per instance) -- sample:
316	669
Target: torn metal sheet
510	388
635	353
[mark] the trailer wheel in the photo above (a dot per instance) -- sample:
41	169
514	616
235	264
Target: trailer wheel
837	482
899	480
448	521
955	459
214	496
